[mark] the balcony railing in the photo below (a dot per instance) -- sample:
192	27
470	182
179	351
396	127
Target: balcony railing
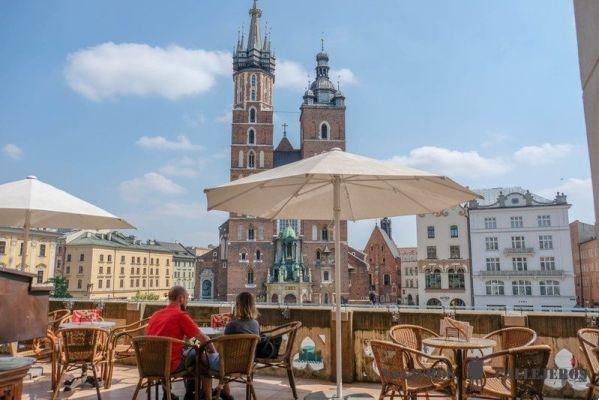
518	250
533	274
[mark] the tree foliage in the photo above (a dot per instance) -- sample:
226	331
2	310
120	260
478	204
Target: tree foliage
145	296
61	289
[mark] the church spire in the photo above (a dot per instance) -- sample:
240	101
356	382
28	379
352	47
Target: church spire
254	36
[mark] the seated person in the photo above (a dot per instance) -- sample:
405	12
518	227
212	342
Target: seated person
244	321
174	322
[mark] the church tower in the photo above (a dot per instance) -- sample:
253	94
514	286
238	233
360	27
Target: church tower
322	127
250	249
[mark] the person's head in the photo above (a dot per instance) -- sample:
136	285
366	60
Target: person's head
245	306
178	295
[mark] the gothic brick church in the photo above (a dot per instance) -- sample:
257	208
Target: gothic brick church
280	261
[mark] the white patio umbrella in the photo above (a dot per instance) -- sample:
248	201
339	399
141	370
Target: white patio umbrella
336	185
31	203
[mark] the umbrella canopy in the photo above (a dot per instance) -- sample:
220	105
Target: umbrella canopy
48	207
368	189
338	185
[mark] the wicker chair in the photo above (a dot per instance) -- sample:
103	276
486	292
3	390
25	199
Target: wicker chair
153	355
55	318
508	338
402	372
283	360
236	362
523	377
588	338
120	346
79	348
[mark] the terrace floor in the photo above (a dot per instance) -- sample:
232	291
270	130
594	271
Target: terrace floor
125	378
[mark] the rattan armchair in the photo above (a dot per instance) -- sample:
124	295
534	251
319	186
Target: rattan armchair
153	354
120	346
55	318
283	360
410	336
508	338
404	375
79	348
588	338
523	377
237	354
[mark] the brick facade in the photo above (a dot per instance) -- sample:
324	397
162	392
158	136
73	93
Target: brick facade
385	266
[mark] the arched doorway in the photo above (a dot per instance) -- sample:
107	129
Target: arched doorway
274	298
290	299
433	303
410	300
457	303
206	289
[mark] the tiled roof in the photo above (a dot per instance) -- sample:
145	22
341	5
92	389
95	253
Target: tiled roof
286	157
389	242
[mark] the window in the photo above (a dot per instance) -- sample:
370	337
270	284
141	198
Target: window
253	91
324	131
454	251
326	276
516	222
2	247
144	271
132	260
253	95
145	260
431	252
21	249
251	159
79	283
131	283
495	288
80	269
250	277
122	259
547	263
100	270
251	235
42	250
490	223
68	258
456	279
519	264
325	234
40	276
107	283
240	159
243	256
549	288
433	279
492	264
544	220
101	257
68	269
99	283
314	232
81	257
138	261
546	242
137	282
151	261
453	231
143	282
387	280
491	243
430	232
252	115
157	282
518	242
151	283
261	159
109	258
258	255
251	136
318	255
521	288
122	283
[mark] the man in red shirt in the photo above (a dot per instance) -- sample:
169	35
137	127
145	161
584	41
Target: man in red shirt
173	321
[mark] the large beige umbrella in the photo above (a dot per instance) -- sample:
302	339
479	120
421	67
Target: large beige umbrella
339	186
31	203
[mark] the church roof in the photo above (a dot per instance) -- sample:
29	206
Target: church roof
389	242
285	157
284	145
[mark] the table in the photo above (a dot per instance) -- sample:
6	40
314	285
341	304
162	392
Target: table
458	346
84	378
12	372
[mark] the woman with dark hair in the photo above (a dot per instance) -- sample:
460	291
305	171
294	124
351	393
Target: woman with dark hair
245	315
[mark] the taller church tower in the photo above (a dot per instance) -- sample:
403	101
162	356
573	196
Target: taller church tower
250	248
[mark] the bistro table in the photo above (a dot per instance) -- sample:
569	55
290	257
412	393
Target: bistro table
458	345
84	378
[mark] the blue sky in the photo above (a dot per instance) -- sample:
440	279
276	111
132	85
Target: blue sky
126	104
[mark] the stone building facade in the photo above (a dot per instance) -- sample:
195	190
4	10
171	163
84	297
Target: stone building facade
385	264
409	275
246	258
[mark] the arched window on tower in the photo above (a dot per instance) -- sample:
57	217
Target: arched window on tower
240	159
251	136
253	91
324	130
250	277
261	159
252	115
325	234
258	255
314	232
318	255
251	159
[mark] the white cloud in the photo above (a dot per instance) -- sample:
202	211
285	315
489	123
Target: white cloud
12	151
468	164
543	154
182	210
185	167
495	139
225	118
137	189
194	120
293	75
110	70
580	195
162	143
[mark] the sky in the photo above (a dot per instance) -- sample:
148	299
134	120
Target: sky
127	104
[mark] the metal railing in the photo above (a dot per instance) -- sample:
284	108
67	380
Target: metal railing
532	274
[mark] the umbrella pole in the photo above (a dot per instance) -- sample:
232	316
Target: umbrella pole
25	240
336	215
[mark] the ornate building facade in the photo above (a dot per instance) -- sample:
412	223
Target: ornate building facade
278	260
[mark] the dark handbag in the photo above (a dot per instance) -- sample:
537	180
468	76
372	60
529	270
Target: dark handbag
268	346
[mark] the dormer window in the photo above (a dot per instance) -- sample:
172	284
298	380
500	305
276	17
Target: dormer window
324	131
